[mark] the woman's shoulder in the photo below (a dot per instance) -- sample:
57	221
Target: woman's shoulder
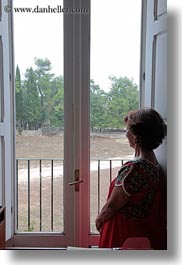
133	163
139	167
141	163
137	175
127	168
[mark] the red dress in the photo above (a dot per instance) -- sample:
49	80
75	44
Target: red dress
144	213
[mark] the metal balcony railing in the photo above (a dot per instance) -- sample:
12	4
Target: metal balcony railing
39	192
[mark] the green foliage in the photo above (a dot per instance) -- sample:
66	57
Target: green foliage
57	102
19	98
32	109
109	109
44	78
40	99
98	106
124	96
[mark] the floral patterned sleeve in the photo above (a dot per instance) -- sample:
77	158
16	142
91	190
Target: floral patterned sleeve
122	174
131	180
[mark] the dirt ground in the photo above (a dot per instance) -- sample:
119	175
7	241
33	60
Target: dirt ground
36	146
101	146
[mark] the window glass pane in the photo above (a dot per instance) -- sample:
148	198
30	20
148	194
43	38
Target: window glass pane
114	90
38	38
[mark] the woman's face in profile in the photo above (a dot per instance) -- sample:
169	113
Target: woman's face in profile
131	138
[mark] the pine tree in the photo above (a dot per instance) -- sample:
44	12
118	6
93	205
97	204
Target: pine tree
32	101
19	100
44	78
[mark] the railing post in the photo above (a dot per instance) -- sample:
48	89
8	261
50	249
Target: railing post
110	171
40	174
98	186
52	195
28	195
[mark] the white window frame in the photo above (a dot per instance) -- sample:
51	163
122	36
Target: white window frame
7	129
77	135
77	95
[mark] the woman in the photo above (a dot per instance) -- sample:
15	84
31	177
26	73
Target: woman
136	200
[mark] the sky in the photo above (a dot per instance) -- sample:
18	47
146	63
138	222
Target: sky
115	38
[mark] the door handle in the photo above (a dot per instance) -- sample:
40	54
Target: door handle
77	180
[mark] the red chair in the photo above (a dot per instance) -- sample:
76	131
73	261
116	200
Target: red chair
136	243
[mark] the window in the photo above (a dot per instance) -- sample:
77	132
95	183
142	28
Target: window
38	41
114	90
77	165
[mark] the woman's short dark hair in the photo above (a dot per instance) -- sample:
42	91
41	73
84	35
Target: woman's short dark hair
148	126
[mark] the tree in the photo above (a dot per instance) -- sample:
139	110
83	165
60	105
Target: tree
44	77
40	99
98	107
57	103
19	99
32	101
123	97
